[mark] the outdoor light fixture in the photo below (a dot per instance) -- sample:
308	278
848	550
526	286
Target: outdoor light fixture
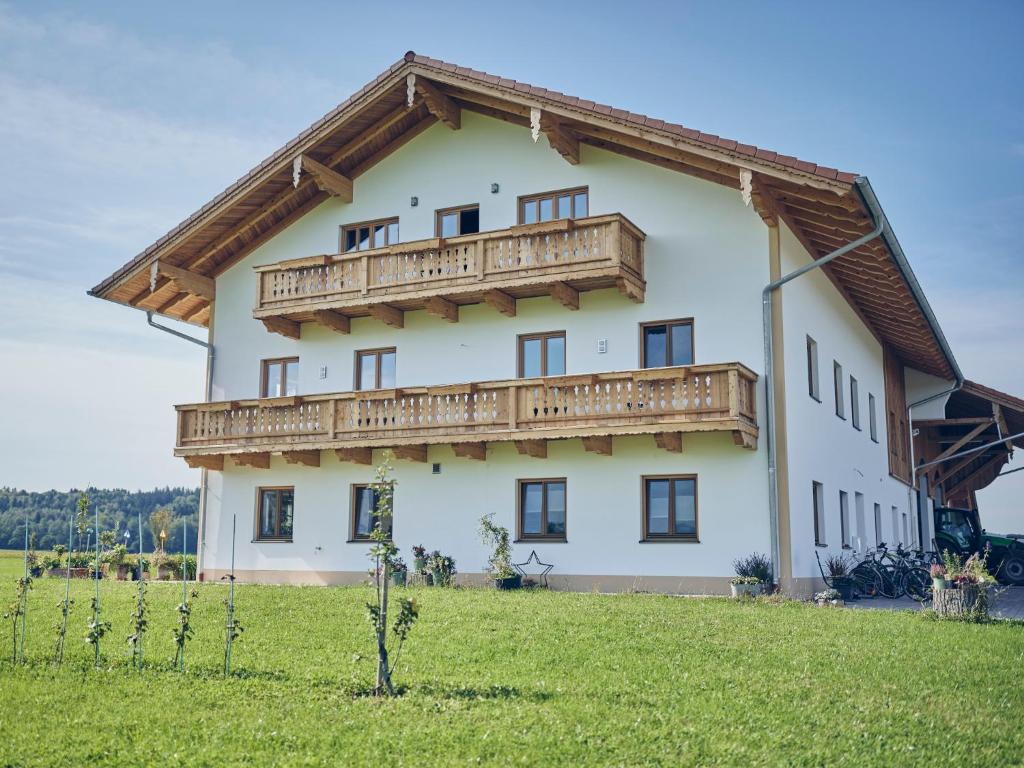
495	188
414	201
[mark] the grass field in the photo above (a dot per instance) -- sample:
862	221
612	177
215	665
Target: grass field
528	678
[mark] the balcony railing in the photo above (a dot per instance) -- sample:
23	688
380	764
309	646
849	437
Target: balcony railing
658	400
521	261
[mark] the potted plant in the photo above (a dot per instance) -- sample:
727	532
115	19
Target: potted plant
499	564
161	562
118	559
399	572
966	593
753	575
441	568
938	573
838	567
419	558
829	597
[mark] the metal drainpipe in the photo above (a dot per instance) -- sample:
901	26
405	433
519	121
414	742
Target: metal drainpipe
203	479
769	367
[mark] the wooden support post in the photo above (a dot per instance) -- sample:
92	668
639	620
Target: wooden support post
669	441
538	449
331	182
744	439
600	444
476	451
501	301
254	460
333	320
630	290
185	281
357	455
283	326
206	462
443	308
388	315
565	295
411	452
306	458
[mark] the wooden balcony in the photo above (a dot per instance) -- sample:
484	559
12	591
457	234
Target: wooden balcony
664	402
557	258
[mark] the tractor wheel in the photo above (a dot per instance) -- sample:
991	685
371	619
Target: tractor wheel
1011	570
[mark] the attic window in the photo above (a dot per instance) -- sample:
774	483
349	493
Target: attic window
369	234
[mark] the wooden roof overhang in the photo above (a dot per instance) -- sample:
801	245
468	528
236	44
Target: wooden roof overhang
975	416
822	206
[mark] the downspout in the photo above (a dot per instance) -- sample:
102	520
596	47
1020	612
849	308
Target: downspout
769	366
875	207
204	476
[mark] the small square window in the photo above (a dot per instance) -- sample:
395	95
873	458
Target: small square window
279	377
364	517
670	508
542	509
666	343
275	510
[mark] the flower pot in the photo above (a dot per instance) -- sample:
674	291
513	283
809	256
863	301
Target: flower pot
419	564
428	579
938	583
844	586
122	572
35	571
163	573
398	578
745	590
509	582
436	577
56	573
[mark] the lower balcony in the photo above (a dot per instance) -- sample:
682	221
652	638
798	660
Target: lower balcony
663	402
558	258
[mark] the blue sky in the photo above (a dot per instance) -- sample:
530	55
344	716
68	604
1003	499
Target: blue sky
119	119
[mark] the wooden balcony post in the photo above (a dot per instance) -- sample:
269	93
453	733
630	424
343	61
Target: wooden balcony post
613	245
513	406
364	268
481	259
734	393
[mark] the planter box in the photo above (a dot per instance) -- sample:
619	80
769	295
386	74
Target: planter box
970	601
844	586
511	582
57	573
746	590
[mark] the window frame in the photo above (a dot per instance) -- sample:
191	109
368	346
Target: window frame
544	336
646	535
353	535
878	524
357	367
265	375
441	212
855	403
521	535
277	539
385	222
813	370
844	520
838	388
818	511
554	194
872	417
668	340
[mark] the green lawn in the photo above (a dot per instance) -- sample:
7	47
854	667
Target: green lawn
528	678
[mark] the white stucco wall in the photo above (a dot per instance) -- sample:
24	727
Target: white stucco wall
822	446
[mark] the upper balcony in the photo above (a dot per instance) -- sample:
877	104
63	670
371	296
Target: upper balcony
559	258
664	402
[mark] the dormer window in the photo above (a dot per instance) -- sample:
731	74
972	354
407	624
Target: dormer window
561	204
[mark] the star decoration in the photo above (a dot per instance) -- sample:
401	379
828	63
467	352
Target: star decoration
537	568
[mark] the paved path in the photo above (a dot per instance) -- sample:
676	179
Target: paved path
1004	602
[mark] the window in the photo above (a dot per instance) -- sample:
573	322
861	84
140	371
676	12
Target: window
562	204
906	530
813	386
375	368
369	234
364	515
275	508
872	417
895	525
279	378
542	354
854	404
837	386
542	509
670	508
861	518
844	518
464	220
878	524
666	343
818	500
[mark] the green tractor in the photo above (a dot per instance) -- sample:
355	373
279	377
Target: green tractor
959	531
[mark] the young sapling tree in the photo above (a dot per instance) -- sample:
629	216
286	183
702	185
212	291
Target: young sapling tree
67	602
499	564
139	620
16	614
383	553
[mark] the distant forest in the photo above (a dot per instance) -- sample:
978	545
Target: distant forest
48	513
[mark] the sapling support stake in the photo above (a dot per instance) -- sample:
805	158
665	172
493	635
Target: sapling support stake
65	607
231	628
24	595
140	610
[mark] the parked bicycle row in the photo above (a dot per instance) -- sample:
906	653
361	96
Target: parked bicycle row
881	572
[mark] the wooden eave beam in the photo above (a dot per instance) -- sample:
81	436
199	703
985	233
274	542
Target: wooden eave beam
438	306
388	315
206	462
182	280
305	458
763	202
744	439
960	443
331	182
538	449
669	441
283	326
334	320
439	105
561	138
501	301
379	129
411	452
404	138
565	295
357	455
955	488
600	444
254	460
477	451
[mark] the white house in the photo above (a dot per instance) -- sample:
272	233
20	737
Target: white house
553	311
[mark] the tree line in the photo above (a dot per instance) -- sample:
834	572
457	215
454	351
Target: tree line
48	513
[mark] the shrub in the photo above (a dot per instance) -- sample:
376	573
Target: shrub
443	567
499	564
756	566
838	566
937	571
